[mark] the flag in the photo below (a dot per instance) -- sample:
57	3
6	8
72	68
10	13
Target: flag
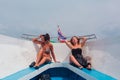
61	37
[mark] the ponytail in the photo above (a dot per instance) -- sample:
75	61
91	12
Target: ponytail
47	37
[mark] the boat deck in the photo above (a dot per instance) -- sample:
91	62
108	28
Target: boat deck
29	73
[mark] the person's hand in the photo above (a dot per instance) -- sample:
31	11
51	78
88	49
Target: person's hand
62	41
66	40
83	38
40	36
33	39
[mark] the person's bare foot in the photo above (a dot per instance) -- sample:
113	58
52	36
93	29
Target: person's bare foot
81	67
89	66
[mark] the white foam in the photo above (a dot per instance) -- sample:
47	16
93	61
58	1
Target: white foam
16	54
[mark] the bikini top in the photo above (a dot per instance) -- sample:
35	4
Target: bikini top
47	50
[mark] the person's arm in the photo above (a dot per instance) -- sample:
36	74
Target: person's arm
52	52
68	44
35	40
83	41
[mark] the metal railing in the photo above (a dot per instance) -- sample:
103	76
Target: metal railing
55	39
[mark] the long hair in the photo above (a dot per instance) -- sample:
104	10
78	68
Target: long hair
71	40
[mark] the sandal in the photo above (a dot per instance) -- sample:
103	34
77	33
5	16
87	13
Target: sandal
36	67
32	64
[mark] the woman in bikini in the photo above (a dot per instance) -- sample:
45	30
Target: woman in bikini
45	52
76	49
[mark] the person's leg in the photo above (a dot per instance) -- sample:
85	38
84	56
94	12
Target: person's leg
89	66
73	60
38	57
43	60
